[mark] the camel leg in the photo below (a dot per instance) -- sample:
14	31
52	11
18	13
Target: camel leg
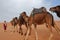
26	30
56	28
36	36
26	38
50	30
14	29
20	30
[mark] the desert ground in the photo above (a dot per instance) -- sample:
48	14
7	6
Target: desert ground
42	30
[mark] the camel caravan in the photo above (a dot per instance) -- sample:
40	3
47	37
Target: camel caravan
38	16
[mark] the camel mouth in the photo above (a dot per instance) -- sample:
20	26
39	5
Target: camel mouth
51	11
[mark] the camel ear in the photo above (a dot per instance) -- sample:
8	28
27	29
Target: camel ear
33	8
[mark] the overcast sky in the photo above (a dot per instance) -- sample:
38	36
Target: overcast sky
12	8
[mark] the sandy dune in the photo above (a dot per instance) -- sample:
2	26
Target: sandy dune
43	33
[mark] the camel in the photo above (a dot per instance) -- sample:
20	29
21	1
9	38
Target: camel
14	22
38	19
22	21
56	9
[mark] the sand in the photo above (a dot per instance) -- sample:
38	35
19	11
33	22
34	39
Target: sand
42	30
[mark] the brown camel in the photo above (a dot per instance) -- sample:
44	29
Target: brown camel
22	21
41	18
56	10
14	22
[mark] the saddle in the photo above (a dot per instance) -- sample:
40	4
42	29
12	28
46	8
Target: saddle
36	10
